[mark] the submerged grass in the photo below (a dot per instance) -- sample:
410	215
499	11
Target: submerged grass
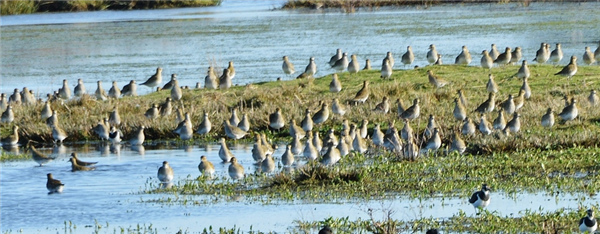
357	176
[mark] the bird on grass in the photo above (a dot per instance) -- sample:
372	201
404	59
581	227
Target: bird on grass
363	93
154	80
232	131
588	223
12	139
570	70
335	85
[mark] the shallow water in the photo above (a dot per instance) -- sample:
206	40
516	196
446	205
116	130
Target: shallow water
39	51
113	194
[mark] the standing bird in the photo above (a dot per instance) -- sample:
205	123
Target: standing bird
363	93
233	131
341	64
439	60
38	156
367	65
307	123
514	125
468	127
287	159
322	115
54	185
383	106
509	105
516	56
432	54
412	112
499	122
165	173
588	56
494	53
504	58
79	89
236	171
491	85
462	97
386	69
593	98
225	79
548	118
408	57
288	67
484	125
268	164
390	59
129	89
458	144
58	134
138	137
523	70
65	91
205	126
336	57
588	223
276	119
114	118
311	68
231	70
542	54
464	58
152	112
486	60
353	66
526	89
481	199
234	120
459	112
338	108
166	108
100	93
154	80
114	136
8	115
224	152
169	85
210	80
184	128
436	81
176	92
377	136
556	55
569	70
335	86
488	105
12	139
114	91
101	130
206	167
570	112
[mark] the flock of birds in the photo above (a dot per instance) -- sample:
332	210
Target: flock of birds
330	150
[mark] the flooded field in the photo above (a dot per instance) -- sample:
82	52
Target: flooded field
39	51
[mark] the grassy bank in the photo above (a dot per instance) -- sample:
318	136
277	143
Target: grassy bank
259	100
32	6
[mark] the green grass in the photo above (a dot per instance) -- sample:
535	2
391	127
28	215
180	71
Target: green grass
9	7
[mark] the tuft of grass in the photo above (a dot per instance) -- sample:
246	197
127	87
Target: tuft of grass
18	7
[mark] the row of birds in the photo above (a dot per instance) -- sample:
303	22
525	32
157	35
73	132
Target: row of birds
338	62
